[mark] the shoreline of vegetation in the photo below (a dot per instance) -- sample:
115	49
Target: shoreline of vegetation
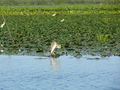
82	31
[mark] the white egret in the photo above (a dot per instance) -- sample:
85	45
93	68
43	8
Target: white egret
62	20
54	14
1	50
2	25
19	50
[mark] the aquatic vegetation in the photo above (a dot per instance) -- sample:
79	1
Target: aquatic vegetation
103	38
60	9
78	34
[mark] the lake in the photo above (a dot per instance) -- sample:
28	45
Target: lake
22	72
89	58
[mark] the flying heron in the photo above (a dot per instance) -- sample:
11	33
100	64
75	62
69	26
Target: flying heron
53	46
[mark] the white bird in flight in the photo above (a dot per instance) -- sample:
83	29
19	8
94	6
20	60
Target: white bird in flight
54	14
54	45
2	25
62	20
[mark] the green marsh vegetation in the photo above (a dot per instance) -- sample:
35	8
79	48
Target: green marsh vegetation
87	29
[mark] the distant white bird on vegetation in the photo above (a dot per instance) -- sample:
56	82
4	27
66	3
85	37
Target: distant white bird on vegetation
1	50
53	46
62	20
2	25
54	14
19	50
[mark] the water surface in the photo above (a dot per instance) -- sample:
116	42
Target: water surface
63	73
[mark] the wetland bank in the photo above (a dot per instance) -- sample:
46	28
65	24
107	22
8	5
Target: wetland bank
92	29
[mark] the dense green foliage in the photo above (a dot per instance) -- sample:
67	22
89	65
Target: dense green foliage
53	2
79	33
60	9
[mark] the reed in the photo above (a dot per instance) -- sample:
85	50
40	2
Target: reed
9	32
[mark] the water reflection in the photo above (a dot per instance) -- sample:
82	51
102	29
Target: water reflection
54	63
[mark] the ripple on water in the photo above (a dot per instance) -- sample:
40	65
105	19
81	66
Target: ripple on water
64	73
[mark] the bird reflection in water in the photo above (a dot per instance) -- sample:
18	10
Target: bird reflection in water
54	63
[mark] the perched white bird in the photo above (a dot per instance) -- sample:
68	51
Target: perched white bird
62	20
1	50
19	50
2	25
54	45
54	14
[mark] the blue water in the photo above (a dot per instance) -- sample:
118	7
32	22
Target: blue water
63	73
